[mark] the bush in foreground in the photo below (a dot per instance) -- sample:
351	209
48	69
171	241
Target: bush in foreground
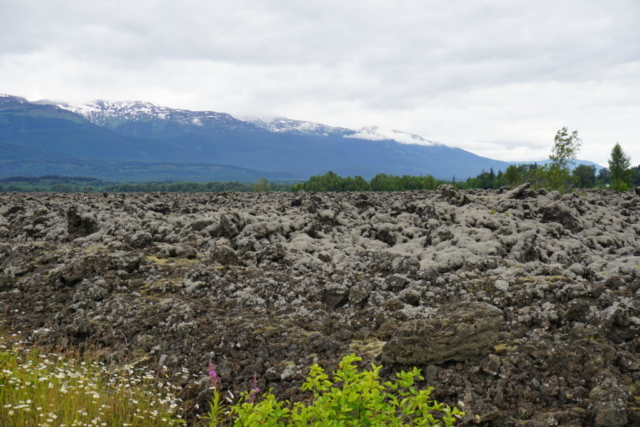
352	398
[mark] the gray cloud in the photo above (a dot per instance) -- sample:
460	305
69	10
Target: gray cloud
495	77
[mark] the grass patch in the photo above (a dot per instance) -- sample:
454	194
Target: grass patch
49	389
504	348
368	348
171	261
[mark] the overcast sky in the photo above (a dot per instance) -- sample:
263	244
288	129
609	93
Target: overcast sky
495	77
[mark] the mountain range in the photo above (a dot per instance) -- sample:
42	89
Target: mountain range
140	141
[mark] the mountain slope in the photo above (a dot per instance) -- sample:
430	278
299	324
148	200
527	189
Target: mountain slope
41	131
148	120
285	145
161	138
41	139
137	171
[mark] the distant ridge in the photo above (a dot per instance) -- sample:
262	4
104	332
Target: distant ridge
106	138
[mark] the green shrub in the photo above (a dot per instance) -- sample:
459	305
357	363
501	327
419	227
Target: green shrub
620	186
351	398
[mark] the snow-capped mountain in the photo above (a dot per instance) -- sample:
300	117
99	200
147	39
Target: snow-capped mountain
375	133
112	114
154	119
6	99
371	133
285	125
140	139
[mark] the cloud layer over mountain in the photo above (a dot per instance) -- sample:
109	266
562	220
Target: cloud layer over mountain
495	77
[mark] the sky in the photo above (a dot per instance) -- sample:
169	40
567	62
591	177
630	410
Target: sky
498	78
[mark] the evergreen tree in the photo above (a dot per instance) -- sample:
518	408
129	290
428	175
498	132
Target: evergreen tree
619	165
635	174
604	177
513	176
585	176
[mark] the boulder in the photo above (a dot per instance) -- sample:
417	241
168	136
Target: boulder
520	192
449	194
80	224
562	214
457	332
224	255
609	401
141	239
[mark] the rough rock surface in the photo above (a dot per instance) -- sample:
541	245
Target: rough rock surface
270	283
457	332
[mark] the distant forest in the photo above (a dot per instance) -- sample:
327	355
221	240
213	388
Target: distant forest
581	177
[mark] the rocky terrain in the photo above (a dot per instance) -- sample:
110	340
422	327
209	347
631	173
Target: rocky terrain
521	307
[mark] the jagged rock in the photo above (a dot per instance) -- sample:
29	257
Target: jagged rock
224	255
141	239
359	293
160	208
396	282
336	296
91	290
562	214
519	192
549	284
80	225
609	402
452	196
273	252
230	225
458	332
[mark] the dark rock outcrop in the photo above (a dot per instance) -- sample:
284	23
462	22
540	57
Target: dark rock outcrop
457	332
524	306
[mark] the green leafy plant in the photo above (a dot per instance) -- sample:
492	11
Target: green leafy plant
261	185
557	174
351	398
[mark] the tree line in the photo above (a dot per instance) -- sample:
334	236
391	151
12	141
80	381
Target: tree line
556	175
381	182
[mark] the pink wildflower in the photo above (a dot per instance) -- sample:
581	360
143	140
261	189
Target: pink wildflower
253	394
213	375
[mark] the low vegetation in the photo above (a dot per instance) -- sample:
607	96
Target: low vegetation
381	182
49	389
351	398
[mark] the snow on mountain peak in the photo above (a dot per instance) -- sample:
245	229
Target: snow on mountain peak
372	133
95	111
283	124
376	133
15	98
104	112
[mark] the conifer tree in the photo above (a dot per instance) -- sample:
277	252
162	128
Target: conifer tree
619	165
